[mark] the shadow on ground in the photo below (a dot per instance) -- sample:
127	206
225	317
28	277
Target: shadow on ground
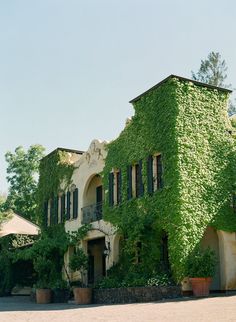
23	303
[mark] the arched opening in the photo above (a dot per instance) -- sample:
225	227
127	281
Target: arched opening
210	239
92	200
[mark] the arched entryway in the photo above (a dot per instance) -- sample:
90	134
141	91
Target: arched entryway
210	239
92	200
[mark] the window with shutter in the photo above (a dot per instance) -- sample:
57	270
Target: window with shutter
63	207
111	189
150	185
159	172
55	215
45	214
118	187
75	203
51	211
68	205
129	182
140	181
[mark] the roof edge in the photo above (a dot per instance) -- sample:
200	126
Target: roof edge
63	149
182	79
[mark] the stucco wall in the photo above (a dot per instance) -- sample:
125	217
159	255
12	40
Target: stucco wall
86	178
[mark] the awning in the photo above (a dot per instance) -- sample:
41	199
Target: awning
18	225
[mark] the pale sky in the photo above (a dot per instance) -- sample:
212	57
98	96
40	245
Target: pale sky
69	67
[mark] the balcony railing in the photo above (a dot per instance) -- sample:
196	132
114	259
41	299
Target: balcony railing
92	213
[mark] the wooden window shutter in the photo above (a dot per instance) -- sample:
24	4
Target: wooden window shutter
56	210
129	182
75	203
111	189
68	205
159	172
63	207
45	214
51	211
140	181
150	174
119	187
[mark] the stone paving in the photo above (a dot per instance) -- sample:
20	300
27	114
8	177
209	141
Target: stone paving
213	309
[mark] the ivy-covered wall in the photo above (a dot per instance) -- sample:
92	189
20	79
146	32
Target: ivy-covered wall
188	124
55	170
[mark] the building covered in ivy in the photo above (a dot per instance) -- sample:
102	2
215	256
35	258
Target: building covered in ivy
163	187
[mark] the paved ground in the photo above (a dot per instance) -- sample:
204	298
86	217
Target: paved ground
214	309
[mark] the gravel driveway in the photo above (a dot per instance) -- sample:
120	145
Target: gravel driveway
215	309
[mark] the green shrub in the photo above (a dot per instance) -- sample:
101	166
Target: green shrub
201	263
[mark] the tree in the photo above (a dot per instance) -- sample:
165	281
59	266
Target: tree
22	175
232	108
213	71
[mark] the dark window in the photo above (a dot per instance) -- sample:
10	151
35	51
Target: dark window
45	214
63	207
139	183
137	179
118	187
99	199
150	186
75	202
111	189
68	205
129	182
159	172
51	221
55	215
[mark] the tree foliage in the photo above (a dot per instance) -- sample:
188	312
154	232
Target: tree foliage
212	70
22	175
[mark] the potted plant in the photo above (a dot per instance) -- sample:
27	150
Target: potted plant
60	291
79	262
43	293
200	269
42	267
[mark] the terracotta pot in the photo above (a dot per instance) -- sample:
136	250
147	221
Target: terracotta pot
200	285
82	295
43	296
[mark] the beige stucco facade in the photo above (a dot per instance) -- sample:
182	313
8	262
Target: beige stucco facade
224	245
87	178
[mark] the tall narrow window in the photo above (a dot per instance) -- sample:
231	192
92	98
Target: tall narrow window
137	179
150	186
51	211
68	205
139	183
111	189
55	215
118	187
129	182
159	172
63	207
75	203
45	213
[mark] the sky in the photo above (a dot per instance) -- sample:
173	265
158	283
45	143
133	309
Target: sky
68	68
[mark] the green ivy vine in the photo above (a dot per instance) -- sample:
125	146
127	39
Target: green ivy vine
54	170
189	126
